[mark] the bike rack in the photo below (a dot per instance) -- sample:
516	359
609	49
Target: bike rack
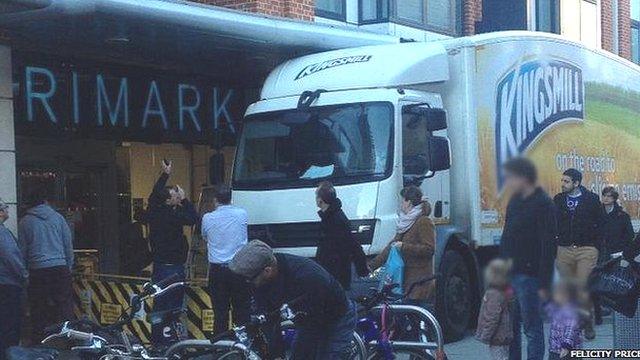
424	315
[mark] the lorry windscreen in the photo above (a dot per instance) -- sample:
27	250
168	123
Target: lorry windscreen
345	144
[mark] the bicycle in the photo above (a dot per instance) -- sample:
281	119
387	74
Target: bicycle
249	342
93	341
385	334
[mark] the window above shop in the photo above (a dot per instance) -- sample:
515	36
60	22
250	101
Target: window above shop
434	15
331	9
635	31
581	21
548	16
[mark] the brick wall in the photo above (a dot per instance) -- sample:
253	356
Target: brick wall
606	11
471	14
294	9
624	27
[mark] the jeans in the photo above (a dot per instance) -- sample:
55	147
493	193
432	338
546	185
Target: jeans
168	301
11	315
527	314
228	290
50	294
327	343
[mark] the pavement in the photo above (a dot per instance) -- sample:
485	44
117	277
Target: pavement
471	349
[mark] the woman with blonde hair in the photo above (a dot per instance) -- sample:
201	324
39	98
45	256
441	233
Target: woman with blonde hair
415	238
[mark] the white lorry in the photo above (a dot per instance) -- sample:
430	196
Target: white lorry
444	115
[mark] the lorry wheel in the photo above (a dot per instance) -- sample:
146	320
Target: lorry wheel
454	296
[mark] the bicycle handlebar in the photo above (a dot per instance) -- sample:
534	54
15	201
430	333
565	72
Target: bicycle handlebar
260	319
150	289
387	291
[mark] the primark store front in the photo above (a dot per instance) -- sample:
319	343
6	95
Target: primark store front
95	133
94	94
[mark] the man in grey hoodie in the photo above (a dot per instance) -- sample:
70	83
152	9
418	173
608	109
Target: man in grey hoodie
45	241
13	276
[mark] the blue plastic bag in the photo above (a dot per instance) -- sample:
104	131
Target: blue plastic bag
393	272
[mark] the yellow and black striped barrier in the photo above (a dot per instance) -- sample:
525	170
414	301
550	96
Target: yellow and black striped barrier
103	298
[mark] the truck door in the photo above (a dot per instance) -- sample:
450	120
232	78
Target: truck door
417	154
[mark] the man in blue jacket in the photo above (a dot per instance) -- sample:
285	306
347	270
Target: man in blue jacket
45	240
169	211
13	275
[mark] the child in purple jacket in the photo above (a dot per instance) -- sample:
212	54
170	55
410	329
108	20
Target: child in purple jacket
564	313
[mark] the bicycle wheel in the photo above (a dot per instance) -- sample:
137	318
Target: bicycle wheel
403	355
358	350
234	355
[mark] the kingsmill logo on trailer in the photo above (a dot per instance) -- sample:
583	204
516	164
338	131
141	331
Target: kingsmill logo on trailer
530	98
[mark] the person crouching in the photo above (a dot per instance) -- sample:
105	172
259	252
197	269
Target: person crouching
494	322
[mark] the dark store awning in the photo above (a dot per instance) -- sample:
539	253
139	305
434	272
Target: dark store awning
171	34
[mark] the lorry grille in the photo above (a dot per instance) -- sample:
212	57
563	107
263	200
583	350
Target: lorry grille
306	234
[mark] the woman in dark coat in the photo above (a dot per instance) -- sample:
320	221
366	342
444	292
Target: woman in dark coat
617	235
415	238
337	248
617	231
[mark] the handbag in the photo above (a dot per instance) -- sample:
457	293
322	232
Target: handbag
393	271
616	285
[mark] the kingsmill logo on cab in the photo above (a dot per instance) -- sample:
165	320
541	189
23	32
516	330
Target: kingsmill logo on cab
532	96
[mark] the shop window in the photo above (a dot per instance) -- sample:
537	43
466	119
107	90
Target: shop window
436	15
331	9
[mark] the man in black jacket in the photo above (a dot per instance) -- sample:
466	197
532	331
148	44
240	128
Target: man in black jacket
580	220
169	211
528	239
328	317
337	248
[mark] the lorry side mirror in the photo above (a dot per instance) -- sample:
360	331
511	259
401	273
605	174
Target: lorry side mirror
435	119
439	153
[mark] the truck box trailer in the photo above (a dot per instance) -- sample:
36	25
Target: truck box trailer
443	115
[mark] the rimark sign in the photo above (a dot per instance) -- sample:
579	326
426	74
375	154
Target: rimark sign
58	97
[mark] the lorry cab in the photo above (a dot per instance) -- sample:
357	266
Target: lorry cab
348	117
354	117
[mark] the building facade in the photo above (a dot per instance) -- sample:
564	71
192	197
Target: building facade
95	94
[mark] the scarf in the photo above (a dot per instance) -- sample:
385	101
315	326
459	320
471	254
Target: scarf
406	220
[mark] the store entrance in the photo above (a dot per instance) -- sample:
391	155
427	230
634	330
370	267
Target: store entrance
77	194
99	186
80	177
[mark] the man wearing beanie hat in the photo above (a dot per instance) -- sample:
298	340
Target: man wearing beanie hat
324	332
